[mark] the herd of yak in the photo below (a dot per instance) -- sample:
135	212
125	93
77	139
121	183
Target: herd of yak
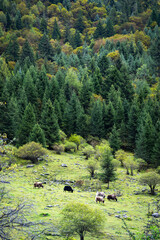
100	196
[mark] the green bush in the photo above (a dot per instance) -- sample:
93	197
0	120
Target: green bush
58	148
70	147
31	151
88	151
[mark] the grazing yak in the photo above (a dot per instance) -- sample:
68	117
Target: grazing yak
99	199
38	184
112	197
68	189
101	194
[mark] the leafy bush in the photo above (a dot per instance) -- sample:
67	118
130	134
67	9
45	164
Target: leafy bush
58	148
77	139
70	147
88	151
31	151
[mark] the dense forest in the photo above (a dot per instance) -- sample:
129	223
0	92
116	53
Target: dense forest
85	67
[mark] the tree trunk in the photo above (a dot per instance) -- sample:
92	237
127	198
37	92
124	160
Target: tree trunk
152	190
131	171
81	237
108	185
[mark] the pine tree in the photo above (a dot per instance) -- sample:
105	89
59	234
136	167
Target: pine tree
99	32
77	39
109	30
42	82
45	48
97	81
108	118
26	126
81	121
156	147
43	25
79	24
103	64
97	124
132	124
108	174
30	89
58	112
18	21
12	51
49	124
54	89
37	135
114	139
70	115
27	51
56	32
145	139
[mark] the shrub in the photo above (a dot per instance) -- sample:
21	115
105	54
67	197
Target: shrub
58	148
70	147
31	151
88	151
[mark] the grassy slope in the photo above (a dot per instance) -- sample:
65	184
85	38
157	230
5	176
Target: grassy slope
21	190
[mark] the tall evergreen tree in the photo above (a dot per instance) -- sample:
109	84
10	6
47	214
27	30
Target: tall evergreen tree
27	51
108	173
114	139
145	139
109	30
45	48
56	34
43	25
108	118
30	89
49	124
18	21
77	39
156	148
79	24
37	135
26	126
97	125
12	51
99	32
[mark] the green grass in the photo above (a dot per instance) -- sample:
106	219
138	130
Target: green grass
50	170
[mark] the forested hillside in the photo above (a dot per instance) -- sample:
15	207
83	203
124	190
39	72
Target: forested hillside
81	67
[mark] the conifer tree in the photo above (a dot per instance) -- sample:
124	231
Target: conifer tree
145	139
97	124
70	115
56	34
108	30
108	173
97	81
37	135
12	51
99	32
27	51
43	25
49	124
54	89
42	82
103	64
79	24
156	147
18	21
114	139
45	48
58	112
132	124
77	39
86	93
108	118
30	89
26	126
81	121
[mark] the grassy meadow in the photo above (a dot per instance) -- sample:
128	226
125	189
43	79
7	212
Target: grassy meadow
47	203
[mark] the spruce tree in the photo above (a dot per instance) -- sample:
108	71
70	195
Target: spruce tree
79	24
18	21
81	121
27	51
77	39
109	30
37	135
97	124
58	112
30	89
45	48
12	51
26	126
108	118
114	139
49	124
43	25
108	174
56	34
145	139
99	32
54	89
156	147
